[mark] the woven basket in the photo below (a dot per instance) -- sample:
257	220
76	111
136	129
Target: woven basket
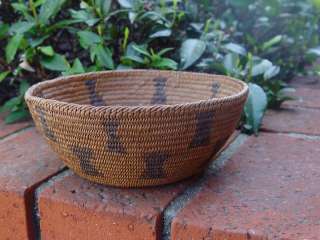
137	128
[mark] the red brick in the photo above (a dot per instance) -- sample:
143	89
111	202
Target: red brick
312	82
6	129
74	208
269	189
305	97
25	161
295	120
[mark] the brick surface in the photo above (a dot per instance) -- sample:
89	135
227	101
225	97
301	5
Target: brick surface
305	97
6	129
312	82
73	208
295	120
269	189
25	161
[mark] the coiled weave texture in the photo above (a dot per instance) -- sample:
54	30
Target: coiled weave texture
137	128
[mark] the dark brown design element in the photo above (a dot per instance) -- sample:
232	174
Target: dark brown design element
95	99
215	89
159	96
154	165
85	155
203	129
114	144
44	124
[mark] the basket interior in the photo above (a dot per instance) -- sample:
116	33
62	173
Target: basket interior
139	88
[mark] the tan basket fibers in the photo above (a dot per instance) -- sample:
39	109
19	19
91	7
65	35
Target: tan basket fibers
137	128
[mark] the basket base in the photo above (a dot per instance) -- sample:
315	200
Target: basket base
138	183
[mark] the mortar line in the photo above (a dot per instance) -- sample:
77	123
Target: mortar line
35	214
293	134
302	107
178	203
299	135
15	133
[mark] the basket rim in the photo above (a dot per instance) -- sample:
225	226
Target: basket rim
29	95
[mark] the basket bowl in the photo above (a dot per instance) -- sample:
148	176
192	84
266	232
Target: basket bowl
137	128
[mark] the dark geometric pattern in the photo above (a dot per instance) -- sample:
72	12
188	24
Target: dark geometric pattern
44	125
203	129
215	89
84	156
154	165
159	96
95	99
114	144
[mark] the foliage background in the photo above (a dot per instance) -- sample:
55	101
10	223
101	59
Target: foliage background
264	43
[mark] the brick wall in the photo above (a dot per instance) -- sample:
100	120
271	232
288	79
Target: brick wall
259	188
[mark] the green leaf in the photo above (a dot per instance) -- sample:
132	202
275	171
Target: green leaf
161	33
37	41
236	48
191	50
49	9
104	6
132	16
126	3
38	3
4	28
125	38
314	51
123	67
230	62
271	72
8	105
84	16
23	9
87	39
77	68
3	75
16	116
164	51
273	41
165	63
219	68
20	7
47	50
62	24
261	67
153	16
316	3
141	49
104	57
133	58
12	47
21	27
255	107
55	63
23	87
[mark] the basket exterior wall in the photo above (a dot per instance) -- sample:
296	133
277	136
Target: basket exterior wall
137	147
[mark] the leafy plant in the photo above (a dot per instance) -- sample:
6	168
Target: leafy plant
263	43
254	108
138	56
16	105
191	51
